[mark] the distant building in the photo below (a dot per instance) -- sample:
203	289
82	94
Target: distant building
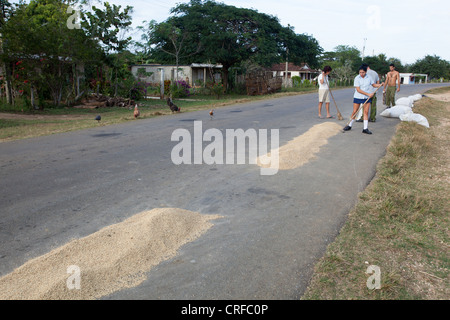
196	74
303	71
412	78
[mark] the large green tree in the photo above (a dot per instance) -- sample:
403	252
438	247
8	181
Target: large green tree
229	35
42	49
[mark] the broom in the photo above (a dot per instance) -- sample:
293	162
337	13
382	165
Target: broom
340	117
360	106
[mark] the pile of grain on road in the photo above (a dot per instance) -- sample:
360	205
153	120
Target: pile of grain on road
115	257
304	148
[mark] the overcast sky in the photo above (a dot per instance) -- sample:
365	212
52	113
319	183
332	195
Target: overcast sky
406	30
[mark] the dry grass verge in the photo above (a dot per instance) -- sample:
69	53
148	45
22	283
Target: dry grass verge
400	222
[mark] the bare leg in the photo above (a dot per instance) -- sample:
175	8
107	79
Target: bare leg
355	110
366	111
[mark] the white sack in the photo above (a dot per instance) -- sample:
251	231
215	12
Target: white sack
415	117
416	97
405	102
396	111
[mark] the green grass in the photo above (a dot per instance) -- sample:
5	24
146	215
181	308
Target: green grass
400	222
18	122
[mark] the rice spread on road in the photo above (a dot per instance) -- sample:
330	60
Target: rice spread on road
113	258
304	148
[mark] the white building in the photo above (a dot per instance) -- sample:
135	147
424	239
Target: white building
411	78
194	74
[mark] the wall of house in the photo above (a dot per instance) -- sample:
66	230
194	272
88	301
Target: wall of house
302	75
184	73
199	75
405	78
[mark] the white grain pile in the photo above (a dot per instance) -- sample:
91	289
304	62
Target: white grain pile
304	148
115	257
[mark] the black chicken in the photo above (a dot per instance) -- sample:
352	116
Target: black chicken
173	107
98	118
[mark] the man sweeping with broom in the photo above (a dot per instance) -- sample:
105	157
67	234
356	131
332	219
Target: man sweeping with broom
363	95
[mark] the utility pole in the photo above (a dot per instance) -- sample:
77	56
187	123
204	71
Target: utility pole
287	63
364	48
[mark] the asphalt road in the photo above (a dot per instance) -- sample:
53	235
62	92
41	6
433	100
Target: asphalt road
274	228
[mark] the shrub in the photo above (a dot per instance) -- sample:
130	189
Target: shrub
180	89
216	88
296	81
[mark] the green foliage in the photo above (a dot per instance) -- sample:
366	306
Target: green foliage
296	81
50	52
342	56
180	89
434	66
345	62
216	88
227	35
107	24
46	49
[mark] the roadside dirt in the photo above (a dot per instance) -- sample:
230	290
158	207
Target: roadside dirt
445	97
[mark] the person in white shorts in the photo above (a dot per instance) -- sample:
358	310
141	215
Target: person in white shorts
324	91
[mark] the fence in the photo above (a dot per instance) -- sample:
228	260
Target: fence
262	82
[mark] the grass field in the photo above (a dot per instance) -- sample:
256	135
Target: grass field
17	123
400	223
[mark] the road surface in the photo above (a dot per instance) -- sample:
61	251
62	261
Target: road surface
274	228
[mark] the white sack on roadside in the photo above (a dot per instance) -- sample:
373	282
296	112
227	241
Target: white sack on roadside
396	111
416	97
405	102
415	117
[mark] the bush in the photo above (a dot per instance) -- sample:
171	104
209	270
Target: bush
216	88
180	89
138	90
296	81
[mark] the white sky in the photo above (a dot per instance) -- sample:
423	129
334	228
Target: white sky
407	30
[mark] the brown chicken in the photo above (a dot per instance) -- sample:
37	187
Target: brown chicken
137	113
211	113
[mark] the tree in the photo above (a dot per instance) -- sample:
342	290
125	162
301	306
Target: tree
229	35
167	35
302	47
107	26
348	55
380	64
6	11
143	47
344	61
434	66
345	72
42	49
